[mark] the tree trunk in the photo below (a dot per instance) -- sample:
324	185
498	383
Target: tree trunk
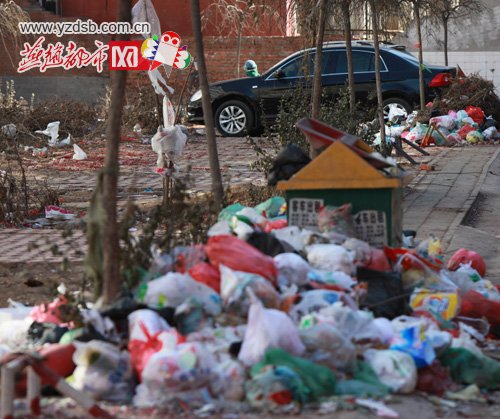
238	52
350	67
420	55
208	116
378	81
445	30
111	248
316	92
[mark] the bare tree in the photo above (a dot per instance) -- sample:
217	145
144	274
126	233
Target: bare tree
346	14
111	247
442	11
378	81
213	157
233	17
316	92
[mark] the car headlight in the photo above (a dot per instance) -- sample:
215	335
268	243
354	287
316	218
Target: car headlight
196	96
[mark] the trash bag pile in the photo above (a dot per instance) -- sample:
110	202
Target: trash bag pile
456	128
274	317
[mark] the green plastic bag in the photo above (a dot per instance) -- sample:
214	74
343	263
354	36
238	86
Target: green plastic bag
271	207
228	212
470	368
318	380
364	383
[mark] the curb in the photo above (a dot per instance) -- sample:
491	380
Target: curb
475	192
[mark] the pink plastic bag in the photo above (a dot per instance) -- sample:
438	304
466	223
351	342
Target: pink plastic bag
240	256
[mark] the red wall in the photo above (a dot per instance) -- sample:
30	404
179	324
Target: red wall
174	15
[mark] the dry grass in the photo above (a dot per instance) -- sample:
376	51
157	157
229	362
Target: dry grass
10	16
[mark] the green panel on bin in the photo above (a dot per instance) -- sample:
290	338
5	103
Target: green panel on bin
360	199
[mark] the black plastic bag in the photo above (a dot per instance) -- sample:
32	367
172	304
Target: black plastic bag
385	296
289	161
268	244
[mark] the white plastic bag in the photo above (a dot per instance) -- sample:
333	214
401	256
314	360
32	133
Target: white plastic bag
395	369
51	131
9	130
79	153
103	371
168	113
170	142
329	257
144	11
268	328
148	320
313	301
396	113
444	121
173	289
292	269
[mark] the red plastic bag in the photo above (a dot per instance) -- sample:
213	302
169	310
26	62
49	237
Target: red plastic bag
476	114
206	274
462	132
378	261
466	256
240	256
475	305
275	225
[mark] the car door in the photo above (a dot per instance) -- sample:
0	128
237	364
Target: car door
336	74
273	90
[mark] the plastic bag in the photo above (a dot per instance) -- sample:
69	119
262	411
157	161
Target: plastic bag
206	274
444	121
148	334
465	256
395	369
294	236
51	131
326	346
185	257
396	114
240	256
228	212
51	312
336	219
363	383
277	224
312	301
413	342
477	306
103	371
337	280
385	295
292	269
434	379
185	367
268	244
469	368
144	11
464	131
490	133
318	380
79	153
170	142
275	389
474	137
168	113
173	289
330	257
234	286
268	328
272	208
417	133
476	114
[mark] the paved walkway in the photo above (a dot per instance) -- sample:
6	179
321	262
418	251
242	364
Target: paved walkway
437	201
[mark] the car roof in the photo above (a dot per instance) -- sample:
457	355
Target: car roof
358	44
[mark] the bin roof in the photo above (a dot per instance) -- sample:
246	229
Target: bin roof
339	167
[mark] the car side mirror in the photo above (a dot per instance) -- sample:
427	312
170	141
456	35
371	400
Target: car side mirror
278	74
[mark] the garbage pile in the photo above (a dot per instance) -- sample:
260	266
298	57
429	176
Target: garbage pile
456	128
272	317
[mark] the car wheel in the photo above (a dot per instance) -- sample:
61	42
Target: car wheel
399	103
234	118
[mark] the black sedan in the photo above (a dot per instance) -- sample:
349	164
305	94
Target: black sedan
240	104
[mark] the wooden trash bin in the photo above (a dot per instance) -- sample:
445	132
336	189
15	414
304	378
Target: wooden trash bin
344	173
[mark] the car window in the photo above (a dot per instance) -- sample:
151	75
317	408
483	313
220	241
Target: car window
363	61
299	66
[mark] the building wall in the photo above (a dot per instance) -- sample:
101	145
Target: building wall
474	43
